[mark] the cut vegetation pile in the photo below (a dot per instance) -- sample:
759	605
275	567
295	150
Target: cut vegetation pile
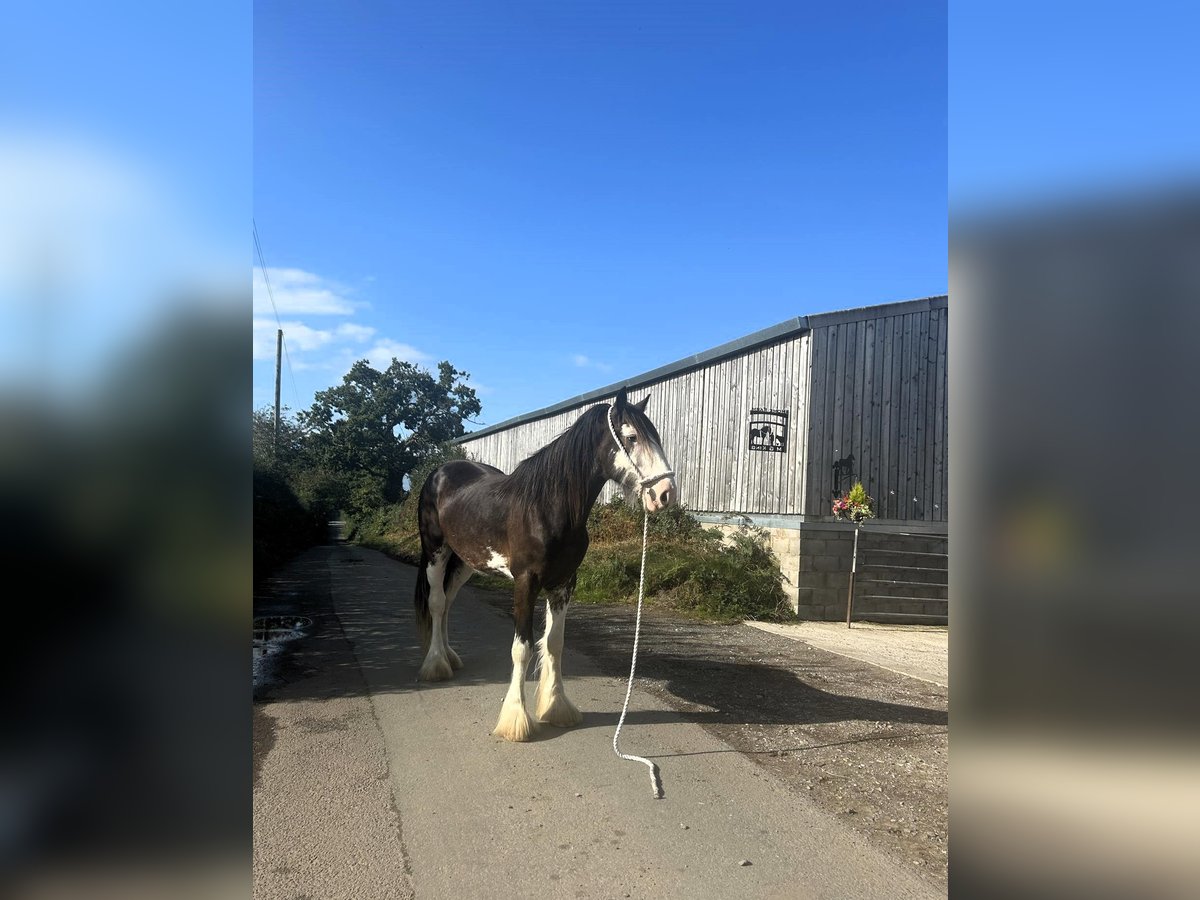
689	568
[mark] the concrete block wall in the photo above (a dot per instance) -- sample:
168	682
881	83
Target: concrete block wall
815	560
824	574
823	580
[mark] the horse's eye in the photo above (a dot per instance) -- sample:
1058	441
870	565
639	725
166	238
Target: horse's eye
633	439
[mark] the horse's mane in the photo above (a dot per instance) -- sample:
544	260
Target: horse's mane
562	472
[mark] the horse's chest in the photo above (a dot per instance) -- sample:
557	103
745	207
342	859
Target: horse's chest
563	558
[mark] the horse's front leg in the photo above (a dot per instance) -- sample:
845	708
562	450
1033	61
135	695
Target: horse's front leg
514	723
553	707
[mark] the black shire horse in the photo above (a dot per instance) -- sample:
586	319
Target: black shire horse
530	526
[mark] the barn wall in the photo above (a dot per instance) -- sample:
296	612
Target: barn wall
879	392
504	449
869	382
703	418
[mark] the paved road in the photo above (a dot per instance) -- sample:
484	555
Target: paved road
368	784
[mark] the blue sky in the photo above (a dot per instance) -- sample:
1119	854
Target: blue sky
1059	101
515	186
554	196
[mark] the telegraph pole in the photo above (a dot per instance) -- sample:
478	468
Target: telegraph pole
278	364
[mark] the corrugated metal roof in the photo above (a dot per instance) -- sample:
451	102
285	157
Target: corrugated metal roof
782	331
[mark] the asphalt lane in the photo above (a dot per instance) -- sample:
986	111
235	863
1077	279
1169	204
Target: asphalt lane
448	810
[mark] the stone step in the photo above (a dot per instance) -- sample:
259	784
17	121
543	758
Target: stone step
919	546
864	586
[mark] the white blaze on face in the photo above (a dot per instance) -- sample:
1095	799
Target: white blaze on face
651	460
627	474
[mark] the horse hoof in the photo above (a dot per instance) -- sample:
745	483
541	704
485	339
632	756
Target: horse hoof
559	711
455	661
435	670
514	724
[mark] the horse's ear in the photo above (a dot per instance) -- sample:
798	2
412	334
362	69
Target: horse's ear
640	406
622	399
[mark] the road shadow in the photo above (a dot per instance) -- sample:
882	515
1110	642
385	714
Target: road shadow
373	646
760	695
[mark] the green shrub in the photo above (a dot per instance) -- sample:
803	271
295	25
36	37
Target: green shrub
606	575
689	568
283	525
394	529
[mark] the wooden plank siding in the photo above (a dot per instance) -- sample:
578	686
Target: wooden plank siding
878	391
940	417
703	417
871	382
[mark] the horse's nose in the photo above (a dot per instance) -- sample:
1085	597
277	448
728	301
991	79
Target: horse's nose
662	495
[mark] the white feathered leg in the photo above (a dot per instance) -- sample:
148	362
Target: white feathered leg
553	707
436	666
514	723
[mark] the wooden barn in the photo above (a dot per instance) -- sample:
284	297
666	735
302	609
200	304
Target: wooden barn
767	429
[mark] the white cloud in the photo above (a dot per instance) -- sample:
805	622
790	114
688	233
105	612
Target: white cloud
381	354
299	336
296	335
299	293
354	332
264	339
585	362
328	348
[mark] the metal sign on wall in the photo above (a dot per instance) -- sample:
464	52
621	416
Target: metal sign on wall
769	430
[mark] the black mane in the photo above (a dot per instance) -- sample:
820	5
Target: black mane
565	473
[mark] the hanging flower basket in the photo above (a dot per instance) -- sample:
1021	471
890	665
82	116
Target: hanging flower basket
854	506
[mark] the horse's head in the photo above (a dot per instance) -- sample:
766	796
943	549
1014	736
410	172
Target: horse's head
639	465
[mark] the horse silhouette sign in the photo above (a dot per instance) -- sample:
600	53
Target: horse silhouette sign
769	430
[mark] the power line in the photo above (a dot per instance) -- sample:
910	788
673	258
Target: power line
262	265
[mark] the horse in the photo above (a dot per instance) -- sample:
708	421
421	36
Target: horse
762	436
531	527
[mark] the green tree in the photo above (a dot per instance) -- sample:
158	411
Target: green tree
376	427
284	457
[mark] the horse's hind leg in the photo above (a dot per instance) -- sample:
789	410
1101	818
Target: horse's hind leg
553	707
437	665
458	573
514	723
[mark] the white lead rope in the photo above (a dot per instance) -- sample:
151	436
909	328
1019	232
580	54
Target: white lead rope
655	777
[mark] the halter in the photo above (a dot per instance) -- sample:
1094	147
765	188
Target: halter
644	482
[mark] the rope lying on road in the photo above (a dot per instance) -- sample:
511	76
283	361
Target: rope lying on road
655	776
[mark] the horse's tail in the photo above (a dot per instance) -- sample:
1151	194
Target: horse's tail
421	594
421	603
